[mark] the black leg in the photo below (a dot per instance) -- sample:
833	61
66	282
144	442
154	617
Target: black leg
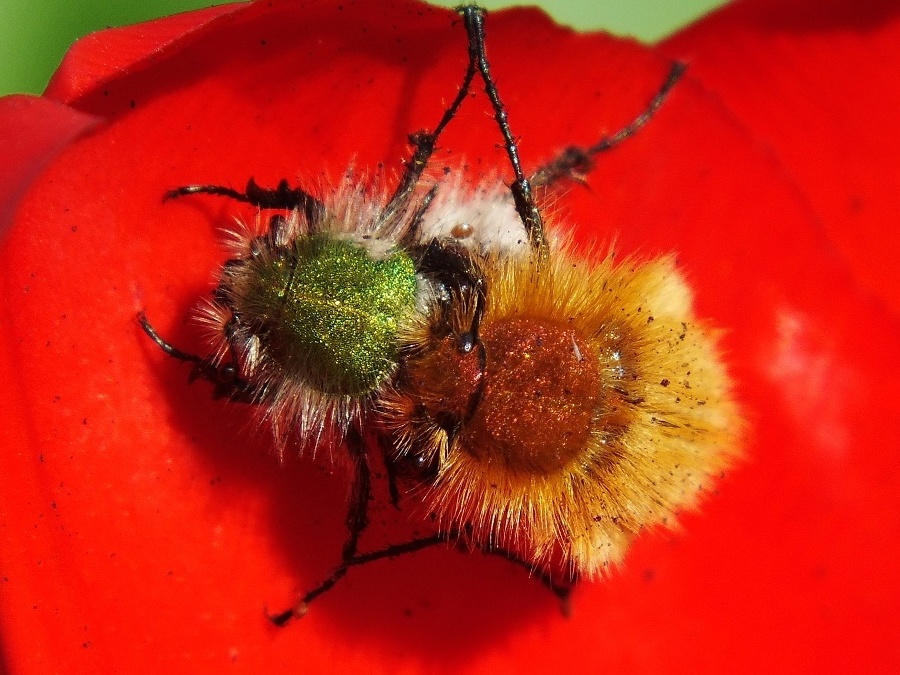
281	197
363	559
424	144
224	377
521	188
391	469
360	492
562	590
576	162
357	521
410	238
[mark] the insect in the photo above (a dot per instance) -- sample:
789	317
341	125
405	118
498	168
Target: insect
545	406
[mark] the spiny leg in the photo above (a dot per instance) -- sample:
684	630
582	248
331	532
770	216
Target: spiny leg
357	521
424	144
362	559
576	161
562	591
361	491
224	377
523	197
281	197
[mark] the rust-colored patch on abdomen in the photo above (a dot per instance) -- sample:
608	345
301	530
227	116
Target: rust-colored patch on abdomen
542	386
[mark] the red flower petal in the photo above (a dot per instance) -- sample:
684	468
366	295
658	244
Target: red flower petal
815	83
32	131
100	57
144	526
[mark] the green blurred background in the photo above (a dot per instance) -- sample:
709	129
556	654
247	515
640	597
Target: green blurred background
34	34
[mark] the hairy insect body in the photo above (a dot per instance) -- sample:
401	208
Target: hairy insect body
547	408
326	310
600	409
310	319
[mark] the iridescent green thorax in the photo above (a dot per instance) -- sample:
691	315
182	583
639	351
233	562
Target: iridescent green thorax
329	311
